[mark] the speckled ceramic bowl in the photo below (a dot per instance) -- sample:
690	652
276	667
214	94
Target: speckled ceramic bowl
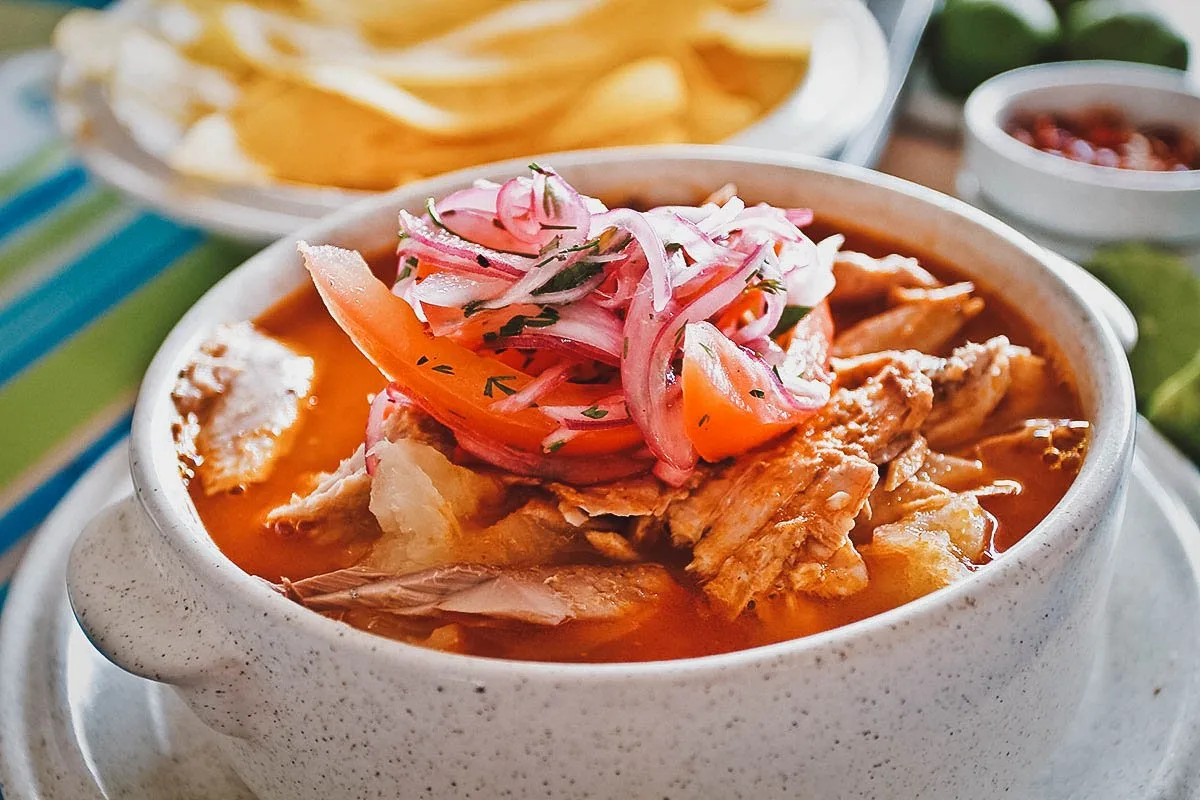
951	696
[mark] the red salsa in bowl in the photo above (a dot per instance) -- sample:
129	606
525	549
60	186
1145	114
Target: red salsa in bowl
1104	136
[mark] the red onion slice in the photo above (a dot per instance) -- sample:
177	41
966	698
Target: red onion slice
389	397
578	470
583	351
559	209
761	223
454	290
651	245
716	223
646	369
514	208
608	413
800	217
550	379
582	330
485	229
427	241
671	476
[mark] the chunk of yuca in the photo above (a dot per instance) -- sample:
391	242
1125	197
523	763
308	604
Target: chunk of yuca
927	550
422	501
432	511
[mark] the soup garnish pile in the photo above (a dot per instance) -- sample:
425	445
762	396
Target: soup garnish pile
551	430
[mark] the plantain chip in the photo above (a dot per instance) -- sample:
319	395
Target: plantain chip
367	94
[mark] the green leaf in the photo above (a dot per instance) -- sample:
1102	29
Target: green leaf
431	209
495	382
572	277
789	319
759	393
594	413
514	326
555	446
770	285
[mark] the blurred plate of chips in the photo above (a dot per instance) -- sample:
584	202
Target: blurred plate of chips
252	119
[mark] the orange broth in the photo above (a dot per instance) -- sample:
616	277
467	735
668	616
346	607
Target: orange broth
333	426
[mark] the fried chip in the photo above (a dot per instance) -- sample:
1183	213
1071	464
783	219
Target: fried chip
368	94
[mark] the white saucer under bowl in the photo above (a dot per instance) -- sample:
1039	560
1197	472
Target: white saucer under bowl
74	727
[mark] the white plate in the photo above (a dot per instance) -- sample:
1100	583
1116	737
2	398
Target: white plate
846	82
74	727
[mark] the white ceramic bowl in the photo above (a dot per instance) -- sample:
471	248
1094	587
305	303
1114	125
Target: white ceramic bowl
951	696
845	84
1071	199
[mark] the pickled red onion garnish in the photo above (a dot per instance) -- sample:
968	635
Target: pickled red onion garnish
530	271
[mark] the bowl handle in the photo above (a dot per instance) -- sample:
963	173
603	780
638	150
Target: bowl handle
1106	303
128	608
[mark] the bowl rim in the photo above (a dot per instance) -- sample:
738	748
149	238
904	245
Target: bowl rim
1109	456
984	108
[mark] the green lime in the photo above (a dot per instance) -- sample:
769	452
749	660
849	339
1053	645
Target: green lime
1122	30
1163	293
1175	408
976	39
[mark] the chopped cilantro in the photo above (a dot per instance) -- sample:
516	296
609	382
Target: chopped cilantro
472	307
555	446
422	360
789	319
759	393
495	382
513	327
548	247
594	413
572	277
431	209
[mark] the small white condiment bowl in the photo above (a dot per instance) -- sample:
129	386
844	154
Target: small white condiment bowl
957	694
1071	199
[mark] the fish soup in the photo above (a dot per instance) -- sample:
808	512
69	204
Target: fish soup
696	430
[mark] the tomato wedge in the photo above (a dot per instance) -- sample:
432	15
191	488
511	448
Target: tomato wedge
456	385
732	402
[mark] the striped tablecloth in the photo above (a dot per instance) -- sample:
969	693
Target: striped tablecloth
90	283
